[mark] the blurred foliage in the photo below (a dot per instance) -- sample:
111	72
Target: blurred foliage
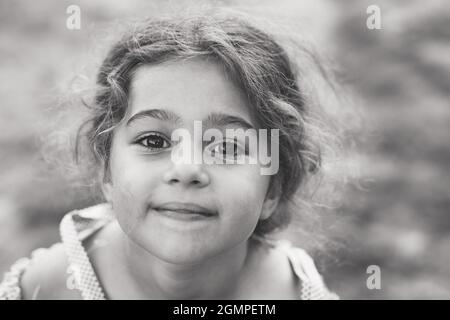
397	220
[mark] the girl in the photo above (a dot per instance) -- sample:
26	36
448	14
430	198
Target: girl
181	230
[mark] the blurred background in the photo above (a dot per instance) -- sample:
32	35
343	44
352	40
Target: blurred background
401	75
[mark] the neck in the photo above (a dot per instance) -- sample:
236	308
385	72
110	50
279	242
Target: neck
215	278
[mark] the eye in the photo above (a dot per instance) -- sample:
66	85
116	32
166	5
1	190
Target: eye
154	141
227	149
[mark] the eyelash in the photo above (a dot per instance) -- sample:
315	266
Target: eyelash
140	141
235	147
210	147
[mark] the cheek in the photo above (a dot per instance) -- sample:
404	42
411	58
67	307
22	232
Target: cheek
132	182
242	193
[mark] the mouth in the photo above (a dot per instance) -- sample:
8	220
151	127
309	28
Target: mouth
185	209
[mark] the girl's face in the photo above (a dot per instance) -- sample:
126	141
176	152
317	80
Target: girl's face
183	212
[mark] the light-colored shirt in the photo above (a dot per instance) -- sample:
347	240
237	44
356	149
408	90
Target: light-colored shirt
78	225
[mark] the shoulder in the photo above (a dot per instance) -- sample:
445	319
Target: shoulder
48	273
294	265
46	277
268	275
313	286
43	276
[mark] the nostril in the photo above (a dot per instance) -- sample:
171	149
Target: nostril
186	176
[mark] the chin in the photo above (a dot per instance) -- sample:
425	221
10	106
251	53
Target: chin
182	258
181	252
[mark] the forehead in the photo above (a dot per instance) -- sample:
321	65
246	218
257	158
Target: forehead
190	88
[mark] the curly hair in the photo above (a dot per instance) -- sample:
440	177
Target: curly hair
275	86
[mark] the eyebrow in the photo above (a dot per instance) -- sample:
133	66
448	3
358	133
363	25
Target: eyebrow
215	119
222	119
156	114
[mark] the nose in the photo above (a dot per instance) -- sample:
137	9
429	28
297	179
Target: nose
186	174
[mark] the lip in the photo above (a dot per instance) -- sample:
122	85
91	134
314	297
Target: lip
185	208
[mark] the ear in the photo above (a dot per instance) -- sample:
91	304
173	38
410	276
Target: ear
269	206
106	184
107	191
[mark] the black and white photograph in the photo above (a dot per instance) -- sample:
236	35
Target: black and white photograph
224	151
